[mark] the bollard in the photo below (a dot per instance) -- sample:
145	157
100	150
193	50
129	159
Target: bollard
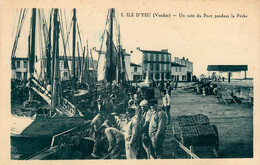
203	91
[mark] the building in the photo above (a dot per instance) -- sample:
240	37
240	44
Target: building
178	72
156	63
234	71
189	66
135	72
66	67
19	68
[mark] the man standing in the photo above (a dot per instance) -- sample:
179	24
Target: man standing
146	115
95	127
132	134
167	105
99	107
157	129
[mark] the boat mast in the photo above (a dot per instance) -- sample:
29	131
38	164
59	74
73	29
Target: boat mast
32	49
56	60
73	44
110	75
48	55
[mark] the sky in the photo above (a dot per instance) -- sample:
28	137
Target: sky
205	40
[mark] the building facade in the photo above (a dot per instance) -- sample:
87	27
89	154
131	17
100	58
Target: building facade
66	67
178	72
136	72
157	64
220	71
19	68
188	64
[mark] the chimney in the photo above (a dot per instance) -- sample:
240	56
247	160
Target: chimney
164	50
137	48
187	59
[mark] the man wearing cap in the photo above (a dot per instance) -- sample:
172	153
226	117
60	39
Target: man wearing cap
132	134
146	115
108	106
95	128
99	104
157	129
131	100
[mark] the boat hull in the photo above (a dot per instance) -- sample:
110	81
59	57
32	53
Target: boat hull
43	126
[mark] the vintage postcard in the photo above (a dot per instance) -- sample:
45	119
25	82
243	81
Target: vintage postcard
110	81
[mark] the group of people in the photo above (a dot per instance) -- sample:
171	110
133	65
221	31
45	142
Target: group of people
144	133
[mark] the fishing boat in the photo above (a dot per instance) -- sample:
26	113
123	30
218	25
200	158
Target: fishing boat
54	114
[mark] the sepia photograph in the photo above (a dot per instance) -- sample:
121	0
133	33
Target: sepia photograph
118	80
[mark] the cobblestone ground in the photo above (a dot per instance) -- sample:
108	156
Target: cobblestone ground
234	122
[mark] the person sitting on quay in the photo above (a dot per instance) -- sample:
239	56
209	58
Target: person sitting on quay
157	129
115	139
95	128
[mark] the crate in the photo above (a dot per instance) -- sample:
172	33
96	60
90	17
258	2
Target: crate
189	136
200	119
207	135
185	121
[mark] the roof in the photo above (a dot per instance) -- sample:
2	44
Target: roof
154	51
174	64
133	64
227	68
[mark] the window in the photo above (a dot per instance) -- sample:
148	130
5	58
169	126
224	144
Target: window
168	67
183	78
162	56
157	67
13	64
145	57
135	69
144	75
66	66
65	74
157	57
19	75
179	69
136	77
162	76
167	58
25	64
176	69
151	57
25	75
168	75
151	76
162	67
145	67
18	64
151	66
157	76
